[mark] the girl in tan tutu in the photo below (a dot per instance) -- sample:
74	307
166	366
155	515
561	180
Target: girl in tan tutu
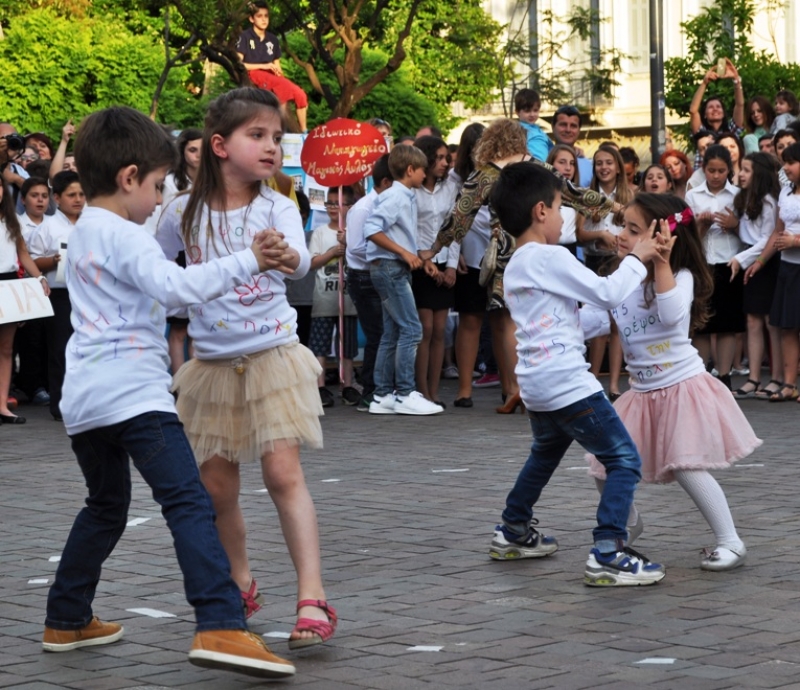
684	421
251	391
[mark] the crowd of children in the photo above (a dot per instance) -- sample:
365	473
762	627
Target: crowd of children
671	267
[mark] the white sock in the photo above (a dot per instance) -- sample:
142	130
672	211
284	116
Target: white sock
709	497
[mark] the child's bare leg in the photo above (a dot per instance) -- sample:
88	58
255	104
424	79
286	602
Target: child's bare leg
221	479
790	350
467	344
283	477
614	360
321	380
424	351
597	348
775	353
504	343
7	331
177	344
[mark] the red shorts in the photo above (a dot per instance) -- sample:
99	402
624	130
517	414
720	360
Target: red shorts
284	89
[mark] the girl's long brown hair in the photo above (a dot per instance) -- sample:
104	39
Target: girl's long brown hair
225	114
623	193
687	252
8	215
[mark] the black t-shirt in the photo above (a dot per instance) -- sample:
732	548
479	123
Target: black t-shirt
257	50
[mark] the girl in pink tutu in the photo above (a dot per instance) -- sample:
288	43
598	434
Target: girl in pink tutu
683	420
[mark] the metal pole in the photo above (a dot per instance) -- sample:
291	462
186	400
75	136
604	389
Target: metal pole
533	42
657	106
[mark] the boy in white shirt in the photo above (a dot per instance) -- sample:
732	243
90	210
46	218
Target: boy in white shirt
117	402
543	284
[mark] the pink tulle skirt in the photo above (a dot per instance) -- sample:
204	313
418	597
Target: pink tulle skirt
693	425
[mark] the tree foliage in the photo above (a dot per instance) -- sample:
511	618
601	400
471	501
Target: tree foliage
761	72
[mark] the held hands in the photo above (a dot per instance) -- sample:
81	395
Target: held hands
462	265
414	262
427	254
785	240
432	270
449	277
273	252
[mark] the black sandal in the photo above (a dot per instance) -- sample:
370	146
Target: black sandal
742	393
765	392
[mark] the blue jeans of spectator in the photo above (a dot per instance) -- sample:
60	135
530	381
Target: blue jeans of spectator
402	331
157	445
367	302
594	424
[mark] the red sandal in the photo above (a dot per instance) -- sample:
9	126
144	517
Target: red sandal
252	600
323	630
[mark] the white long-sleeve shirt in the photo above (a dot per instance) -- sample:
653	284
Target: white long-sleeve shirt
248	318
756	232
119	283
543	285
789	205
47	240
655	337
432	209
356	250
720	245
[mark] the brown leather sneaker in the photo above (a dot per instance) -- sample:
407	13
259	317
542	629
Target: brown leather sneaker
95	633
240	651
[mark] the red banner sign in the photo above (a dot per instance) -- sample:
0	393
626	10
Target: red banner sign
341	152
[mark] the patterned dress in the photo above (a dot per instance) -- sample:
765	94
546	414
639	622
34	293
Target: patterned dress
475	193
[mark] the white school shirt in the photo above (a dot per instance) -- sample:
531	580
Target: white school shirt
252	317
605	223
432	209
326	279
356	251
27	226
568	229
720	245
119	284
473	246
655	338
755	233
46	241
789	211
9	261
543	285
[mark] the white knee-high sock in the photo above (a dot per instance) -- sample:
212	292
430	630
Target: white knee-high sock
709	497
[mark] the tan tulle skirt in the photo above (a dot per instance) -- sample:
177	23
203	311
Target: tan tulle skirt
238	408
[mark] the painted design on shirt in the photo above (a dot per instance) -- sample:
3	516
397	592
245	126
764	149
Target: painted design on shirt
258	291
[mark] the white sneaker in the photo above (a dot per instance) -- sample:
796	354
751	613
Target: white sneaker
382	404
450	372
415	403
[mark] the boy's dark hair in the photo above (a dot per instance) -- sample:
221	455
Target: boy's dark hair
33	182
629	155
40	168
719	152
764	182
790	99
701	133
303	204
518	189
381	170
402	157
114	138
788	132
255	5
763	137
526	99
348	193
64	179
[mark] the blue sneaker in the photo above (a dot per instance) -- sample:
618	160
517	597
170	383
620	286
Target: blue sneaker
41	397
625	567
507	546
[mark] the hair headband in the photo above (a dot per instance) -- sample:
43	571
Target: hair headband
682	218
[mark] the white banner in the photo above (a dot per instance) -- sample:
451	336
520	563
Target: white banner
22	300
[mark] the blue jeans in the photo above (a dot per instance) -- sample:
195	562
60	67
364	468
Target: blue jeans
370	315
594	424
158	447
402	331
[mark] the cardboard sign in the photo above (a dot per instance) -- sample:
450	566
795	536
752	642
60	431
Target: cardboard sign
342	152
22	300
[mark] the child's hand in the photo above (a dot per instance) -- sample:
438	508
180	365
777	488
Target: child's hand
647	248
341	238
432	270
413	261
665	240
462	265
735	268
785	240
272	251
449	277
338	250
426	254
752	270
608	240
726	219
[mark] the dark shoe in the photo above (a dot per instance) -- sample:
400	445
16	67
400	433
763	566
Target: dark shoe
613	396
350	396
40	397
463	402
11	419
57	417
364	403
440	404
511	405
748	390
326	397
726	379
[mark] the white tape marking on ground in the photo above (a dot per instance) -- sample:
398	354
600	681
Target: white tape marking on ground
152	613
54	559
656	660
424	648
329	481
38	581
438	471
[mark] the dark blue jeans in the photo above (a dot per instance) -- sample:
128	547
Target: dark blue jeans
156	443
370	315
594	424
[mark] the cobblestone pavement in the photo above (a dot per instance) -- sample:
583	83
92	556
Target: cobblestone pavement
406	510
